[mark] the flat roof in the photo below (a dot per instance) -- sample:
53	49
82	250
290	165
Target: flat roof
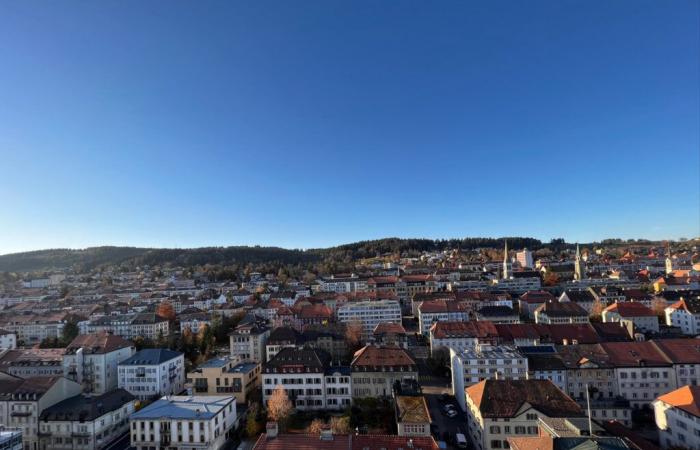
185	407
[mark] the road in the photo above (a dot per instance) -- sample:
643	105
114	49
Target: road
121	443
445	427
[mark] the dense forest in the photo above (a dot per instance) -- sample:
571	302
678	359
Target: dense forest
240	258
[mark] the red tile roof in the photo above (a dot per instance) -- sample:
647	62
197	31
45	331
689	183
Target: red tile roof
370	356
630	309
686	398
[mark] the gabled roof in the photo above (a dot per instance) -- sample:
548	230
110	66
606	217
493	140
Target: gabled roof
97	343
470	329
561	309
630	309
85	408
635	354
680	351
370	356
686	398
505	398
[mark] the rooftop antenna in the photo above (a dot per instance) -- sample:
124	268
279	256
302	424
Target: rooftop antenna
588	407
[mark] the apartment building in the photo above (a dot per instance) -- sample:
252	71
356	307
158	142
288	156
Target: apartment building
83	422
91	360
342	284
247	341
642	371
376	369
152	373
485	362
32	362
588	366
129	326
553	312
684	354
184	422
31	329
369	314
642	317
500	409
8	340
308	378
531	300
461	335
23	400
226	376
431	311
677	416
684	314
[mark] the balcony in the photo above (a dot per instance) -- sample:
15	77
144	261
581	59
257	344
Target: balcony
81	434
21	413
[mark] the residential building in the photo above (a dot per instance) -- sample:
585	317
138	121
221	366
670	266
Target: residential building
497	314
308	378
248	339
553	312
10	440
588	366
677	415
8	340
31	329
684	354
83	422
153	372
91	360
499	409
184	422
583	298
431	311
272	440
461	335
194	320
390	334
642	371
23	400
641	316
531	300
685	314
226	375
369	314
32	362
412	416
376	369
485	362
524	258
129	326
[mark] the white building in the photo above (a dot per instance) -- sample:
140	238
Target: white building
249	339
525	259
309	381
370	313
677	416
499	409
129	326
352	283
184	422
152	373
641	316
10	440
83	422
91	360
8	340
461	336
553	312
485	362
684	314
432	311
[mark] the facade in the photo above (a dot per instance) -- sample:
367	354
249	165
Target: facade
87	423
10	440
248	340
129	326
8	340
499	409
310	382
152	373
461	336
225	376
588	366
642	371
531	300
684	314
23	401
184	422
677	416
31	329
32	362
412	416
432	311
641	316
684	354
553	312
370	314
376	369
91	360
485	362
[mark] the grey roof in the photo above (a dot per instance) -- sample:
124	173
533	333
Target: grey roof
85	408
184	407
150	357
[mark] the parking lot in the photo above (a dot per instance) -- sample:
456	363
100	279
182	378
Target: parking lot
445	428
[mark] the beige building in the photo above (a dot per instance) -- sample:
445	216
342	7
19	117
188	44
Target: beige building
225	376
375	369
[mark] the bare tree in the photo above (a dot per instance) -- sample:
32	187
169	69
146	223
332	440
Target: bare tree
353	333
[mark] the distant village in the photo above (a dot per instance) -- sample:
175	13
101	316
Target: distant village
484	349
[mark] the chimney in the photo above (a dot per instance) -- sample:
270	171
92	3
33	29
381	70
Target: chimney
271	430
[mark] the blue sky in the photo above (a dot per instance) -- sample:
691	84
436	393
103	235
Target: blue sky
313	123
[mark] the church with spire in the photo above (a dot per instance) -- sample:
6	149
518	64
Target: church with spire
579	270
507	265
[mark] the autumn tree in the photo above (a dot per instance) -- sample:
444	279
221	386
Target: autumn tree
166	310
279	407
551	278
597	309
253	424
315	426
353	334
659	305
340	425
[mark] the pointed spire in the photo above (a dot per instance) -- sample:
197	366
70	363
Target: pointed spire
578	252
506	272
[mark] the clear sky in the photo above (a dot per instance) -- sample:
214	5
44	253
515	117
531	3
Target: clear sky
312	123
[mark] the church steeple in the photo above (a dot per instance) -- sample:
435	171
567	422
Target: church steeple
578	270
669	259
506	263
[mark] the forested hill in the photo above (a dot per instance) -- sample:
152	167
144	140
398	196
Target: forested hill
90	258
